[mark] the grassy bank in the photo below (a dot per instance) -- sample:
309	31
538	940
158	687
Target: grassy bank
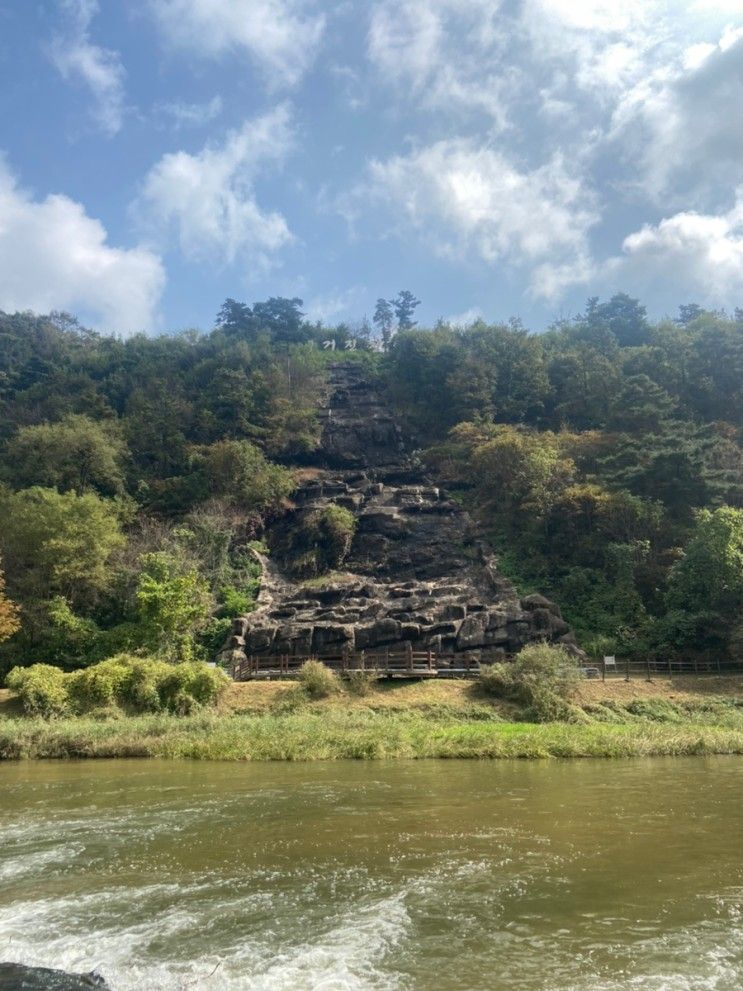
443	719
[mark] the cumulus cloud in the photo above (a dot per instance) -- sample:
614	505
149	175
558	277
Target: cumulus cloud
702	253
76	57
644	71
447	53
469	199
207	200
281	36
682	122
53	256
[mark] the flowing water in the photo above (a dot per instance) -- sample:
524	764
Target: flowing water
595	876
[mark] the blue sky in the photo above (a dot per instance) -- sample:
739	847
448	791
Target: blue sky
497	157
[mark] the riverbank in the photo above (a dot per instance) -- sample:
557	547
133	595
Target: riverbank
275	721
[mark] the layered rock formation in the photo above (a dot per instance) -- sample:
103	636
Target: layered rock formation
416	572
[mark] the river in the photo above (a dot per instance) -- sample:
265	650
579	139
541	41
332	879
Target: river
432	876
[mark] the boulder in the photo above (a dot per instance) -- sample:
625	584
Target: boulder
536	601
472	631
384	631
329	635
18	977
260	639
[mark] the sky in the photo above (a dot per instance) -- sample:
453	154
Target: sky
496	157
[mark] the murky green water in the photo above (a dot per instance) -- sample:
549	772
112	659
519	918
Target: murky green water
430	876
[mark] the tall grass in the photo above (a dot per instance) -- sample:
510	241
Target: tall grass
335	734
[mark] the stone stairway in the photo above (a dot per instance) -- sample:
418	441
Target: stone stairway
416	573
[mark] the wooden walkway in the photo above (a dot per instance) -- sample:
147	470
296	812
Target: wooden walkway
393	663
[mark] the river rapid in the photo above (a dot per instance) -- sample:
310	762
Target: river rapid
431	875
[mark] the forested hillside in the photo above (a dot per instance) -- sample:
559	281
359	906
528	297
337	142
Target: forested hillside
602	458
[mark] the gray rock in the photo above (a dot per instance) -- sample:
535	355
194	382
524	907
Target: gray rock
17	977
536	601
415	570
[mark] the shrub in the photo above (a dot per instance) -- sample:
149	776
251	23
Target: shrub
141	687
186	687
99	685
361	682
542	679
495	680
318	680
134	683
42	690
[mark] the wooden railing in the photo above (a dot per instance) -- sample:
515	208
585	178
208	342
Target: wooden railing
386	663
665	667
405	662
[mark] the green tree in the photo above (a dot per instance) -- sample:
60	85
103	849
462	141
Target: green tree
625	317
59	543
404	305
173	605
238	472
76	453
709	577
10	621
383	320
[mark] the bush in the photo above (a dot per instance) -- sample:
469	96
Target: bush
135	683
187	687
141	691
542	679
42	690
101	684
496	680
361	682
318	680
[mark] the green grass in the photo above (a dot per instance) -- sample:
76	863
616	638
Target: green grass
334	734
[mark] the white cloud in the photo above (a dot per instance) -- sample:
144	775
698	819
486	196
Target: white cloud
467	199
281	36
334	305
682	123
466	319
54	256
208	199
699	254
449	53
191	114
75	56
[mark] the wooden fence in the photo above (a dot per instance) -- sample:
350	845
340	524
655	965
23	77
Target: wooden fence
664	668
405	662
386	663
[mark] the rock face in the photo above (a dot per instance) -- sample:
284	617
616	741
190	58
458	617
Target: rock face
416	572
17	977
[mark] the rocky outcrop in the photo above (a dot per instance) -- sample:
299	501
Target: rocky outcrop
17	977
417	571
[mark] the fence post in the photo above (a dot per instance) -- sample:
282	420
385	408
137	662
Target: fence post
647	664
627	669
603	669
409	655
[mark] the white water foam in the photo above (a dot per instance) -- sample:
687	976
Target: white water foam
345	957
